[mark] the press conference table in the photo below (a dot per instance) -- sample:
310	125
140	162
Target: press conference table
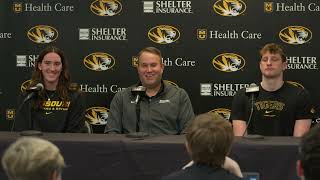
115	157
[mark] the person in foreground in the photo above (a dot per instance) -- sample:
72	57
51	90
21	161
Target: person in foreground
31	158
209	138
60	106
163	108
308	165
280	108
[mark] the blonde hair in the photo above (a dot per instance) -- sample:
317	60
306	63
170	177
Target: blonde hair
31	158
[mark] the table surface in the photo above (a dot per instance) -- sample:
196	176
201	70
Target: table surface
112	156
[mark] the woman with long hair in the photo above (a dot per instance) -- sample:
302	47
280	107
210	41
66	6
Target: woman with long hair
60	106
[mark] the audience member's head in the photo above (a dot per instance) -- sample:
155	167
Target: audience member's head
308	165
209	138
31	158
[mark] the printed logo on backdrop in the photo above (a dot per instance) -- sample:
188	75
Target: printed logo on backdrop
167	7
135	61
228	62
10	114
97	115
170	62
106	7
268	7
220	90
291	6
101	88
19	7
295	35
295	84
99	61
27	61
206	89
164	34
224	112
103	34
5	35
42	34
202	34
25	85
229	8
302	63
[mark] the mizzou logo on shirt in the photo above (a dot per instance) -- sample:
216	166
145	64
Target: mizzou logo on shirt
56	105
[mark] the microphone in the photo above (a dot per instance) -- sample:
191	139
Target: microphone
253	88
33	90
138	92
251	91
36	88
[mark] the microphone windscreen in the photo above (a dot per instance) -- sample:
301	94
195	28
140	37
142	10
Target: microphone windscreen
252	88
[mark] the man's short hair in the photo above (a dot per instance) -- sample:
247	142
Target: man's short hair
309	152
273	49
31	158
152	50
209	137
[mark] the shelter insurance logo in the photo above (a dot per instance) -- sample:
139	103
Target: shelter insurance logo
229	8
26	60
103	34
42	34
25	85
97	115
223	112
99	61
167	7
106	7
295	35
220	90
228	62
302	63
164	34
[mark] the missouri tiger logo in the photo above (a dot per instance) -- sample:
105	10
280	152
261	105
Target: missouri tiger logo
97	115
228	62
106	7
25	85
99	61
42	34
295	35
164	34
229	8
223	112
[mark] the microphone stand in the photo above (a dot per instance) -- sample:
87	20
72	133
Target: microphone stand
31	131
137	134
251	136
